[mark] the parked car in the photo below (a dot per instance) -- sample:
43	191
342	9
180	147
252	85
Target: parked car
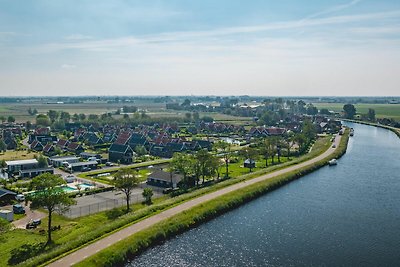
109	164
18	209
32	224
20	197
86	169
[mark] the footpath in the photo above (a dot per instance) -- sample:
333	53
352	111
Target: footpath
103	243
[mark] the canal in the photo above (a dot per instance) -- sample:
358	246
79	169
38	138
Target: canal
344	215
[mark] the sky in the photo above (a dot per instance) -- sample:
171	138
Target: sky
208	47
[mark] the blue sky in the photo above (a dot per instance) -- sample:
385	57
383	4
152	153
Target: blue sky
224	47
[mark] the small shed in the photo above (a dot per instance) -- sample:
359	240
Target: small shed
249	163
7	215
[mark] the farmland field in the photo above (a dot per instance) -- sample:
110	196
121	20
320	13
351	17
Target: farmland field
155	110
381	110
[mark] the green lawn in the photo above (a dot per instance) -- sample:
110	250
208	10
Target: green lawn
381	110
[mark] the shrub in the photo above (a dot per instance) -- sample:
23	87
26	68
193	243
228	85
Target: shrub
114	213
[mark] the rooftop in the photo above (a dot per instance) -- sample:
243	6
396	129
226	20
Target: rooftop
21	162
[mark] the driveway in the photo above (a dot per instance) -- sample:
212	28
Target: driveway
30	215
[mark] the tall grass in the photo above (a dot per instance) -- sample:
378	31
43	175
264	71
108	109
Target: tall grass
120	252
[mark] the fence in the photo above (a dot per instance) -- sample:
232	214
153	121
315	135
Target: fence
102	205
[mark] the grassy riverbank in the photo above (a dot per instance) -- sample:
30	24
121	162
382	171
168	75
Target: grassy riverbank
119	253
85	230
390	128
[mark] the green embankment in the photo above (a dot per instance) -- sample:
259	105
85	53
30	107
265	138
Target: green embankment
100	231
393	129
118	253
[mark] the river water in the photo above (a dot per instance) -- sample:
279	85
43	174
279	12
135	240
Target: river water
344	215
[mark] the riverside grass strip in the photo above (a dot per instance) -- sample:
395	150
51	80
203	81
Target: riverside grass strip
119	253
107	229
390	128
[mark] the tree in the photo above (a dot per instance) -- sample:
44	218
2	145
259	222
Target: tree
225	150
28	125
82	117
75	117
186	103
93	117
140	150
266	149
65	116
289	143
10	119
42	120
205	162
3	164
53	115
126	180
3	119
49	195
311	109
249	153
371	114
182	163
147	194
3	146
309	130
188	116
42	162
349	111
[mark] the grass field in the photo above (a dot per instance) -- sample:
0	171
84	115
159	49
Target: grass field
16	155
154	110
381	110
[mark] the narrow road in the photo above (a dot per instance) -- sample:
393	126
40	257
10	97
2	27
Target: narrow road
103	243
30	215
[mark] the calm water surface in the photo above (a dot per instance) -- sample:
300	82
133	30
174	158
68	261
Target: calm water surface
346	215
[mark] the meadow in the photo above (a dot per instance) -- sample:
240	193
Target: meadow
381	110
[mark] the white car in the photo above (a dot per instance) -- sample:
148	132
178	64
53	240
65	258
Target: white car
20	197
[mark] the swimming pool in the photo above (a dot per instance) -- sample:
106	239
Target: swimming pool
68	188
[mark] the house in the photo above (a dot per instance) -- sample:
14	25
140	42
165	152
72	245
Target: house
120	153
6	196
75	148
62	144
81	166
15	166
59	161
49	150
92	139
165	179
30	173
36	146
275	131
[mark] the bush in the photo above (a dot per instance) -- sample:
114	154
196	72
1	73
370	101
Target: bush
114	213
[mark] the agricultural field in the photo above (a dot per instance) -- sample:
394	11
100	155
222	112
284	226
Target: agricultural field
154	110
381	110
